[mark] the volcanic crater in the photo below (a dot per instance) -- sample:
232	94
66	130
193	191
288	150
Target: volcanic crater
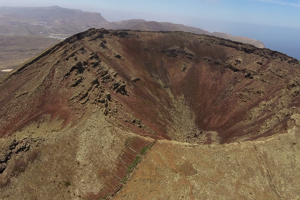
100	99
167	85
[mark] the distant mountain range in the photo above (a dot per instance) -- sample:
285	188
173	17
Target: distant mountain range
27	31
63	22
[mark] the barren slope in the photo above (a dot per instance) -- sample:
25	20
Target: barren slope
205	118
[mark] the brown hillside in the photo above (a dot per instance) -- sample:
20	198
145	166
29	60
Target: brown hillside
77	120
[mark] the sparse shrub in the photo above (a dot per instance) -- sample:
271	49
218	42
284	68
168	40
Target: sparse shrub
124	179
132	165
67	183
144	150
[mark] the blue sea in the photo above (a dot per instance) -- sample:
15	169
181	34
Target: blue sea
282	39
285	40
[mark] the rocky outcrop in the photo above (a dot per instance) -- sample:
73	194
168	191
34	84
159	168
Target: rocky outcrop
15	156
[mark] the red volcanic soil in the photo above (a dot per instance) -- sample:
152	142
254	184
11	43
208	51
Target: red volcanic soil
166	85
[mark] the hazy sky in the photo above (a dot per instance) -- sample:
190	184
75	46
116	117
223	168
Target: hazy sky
267	12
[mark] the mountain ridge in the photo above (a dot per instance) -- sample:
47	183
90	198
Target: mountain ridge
102	23
44	26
